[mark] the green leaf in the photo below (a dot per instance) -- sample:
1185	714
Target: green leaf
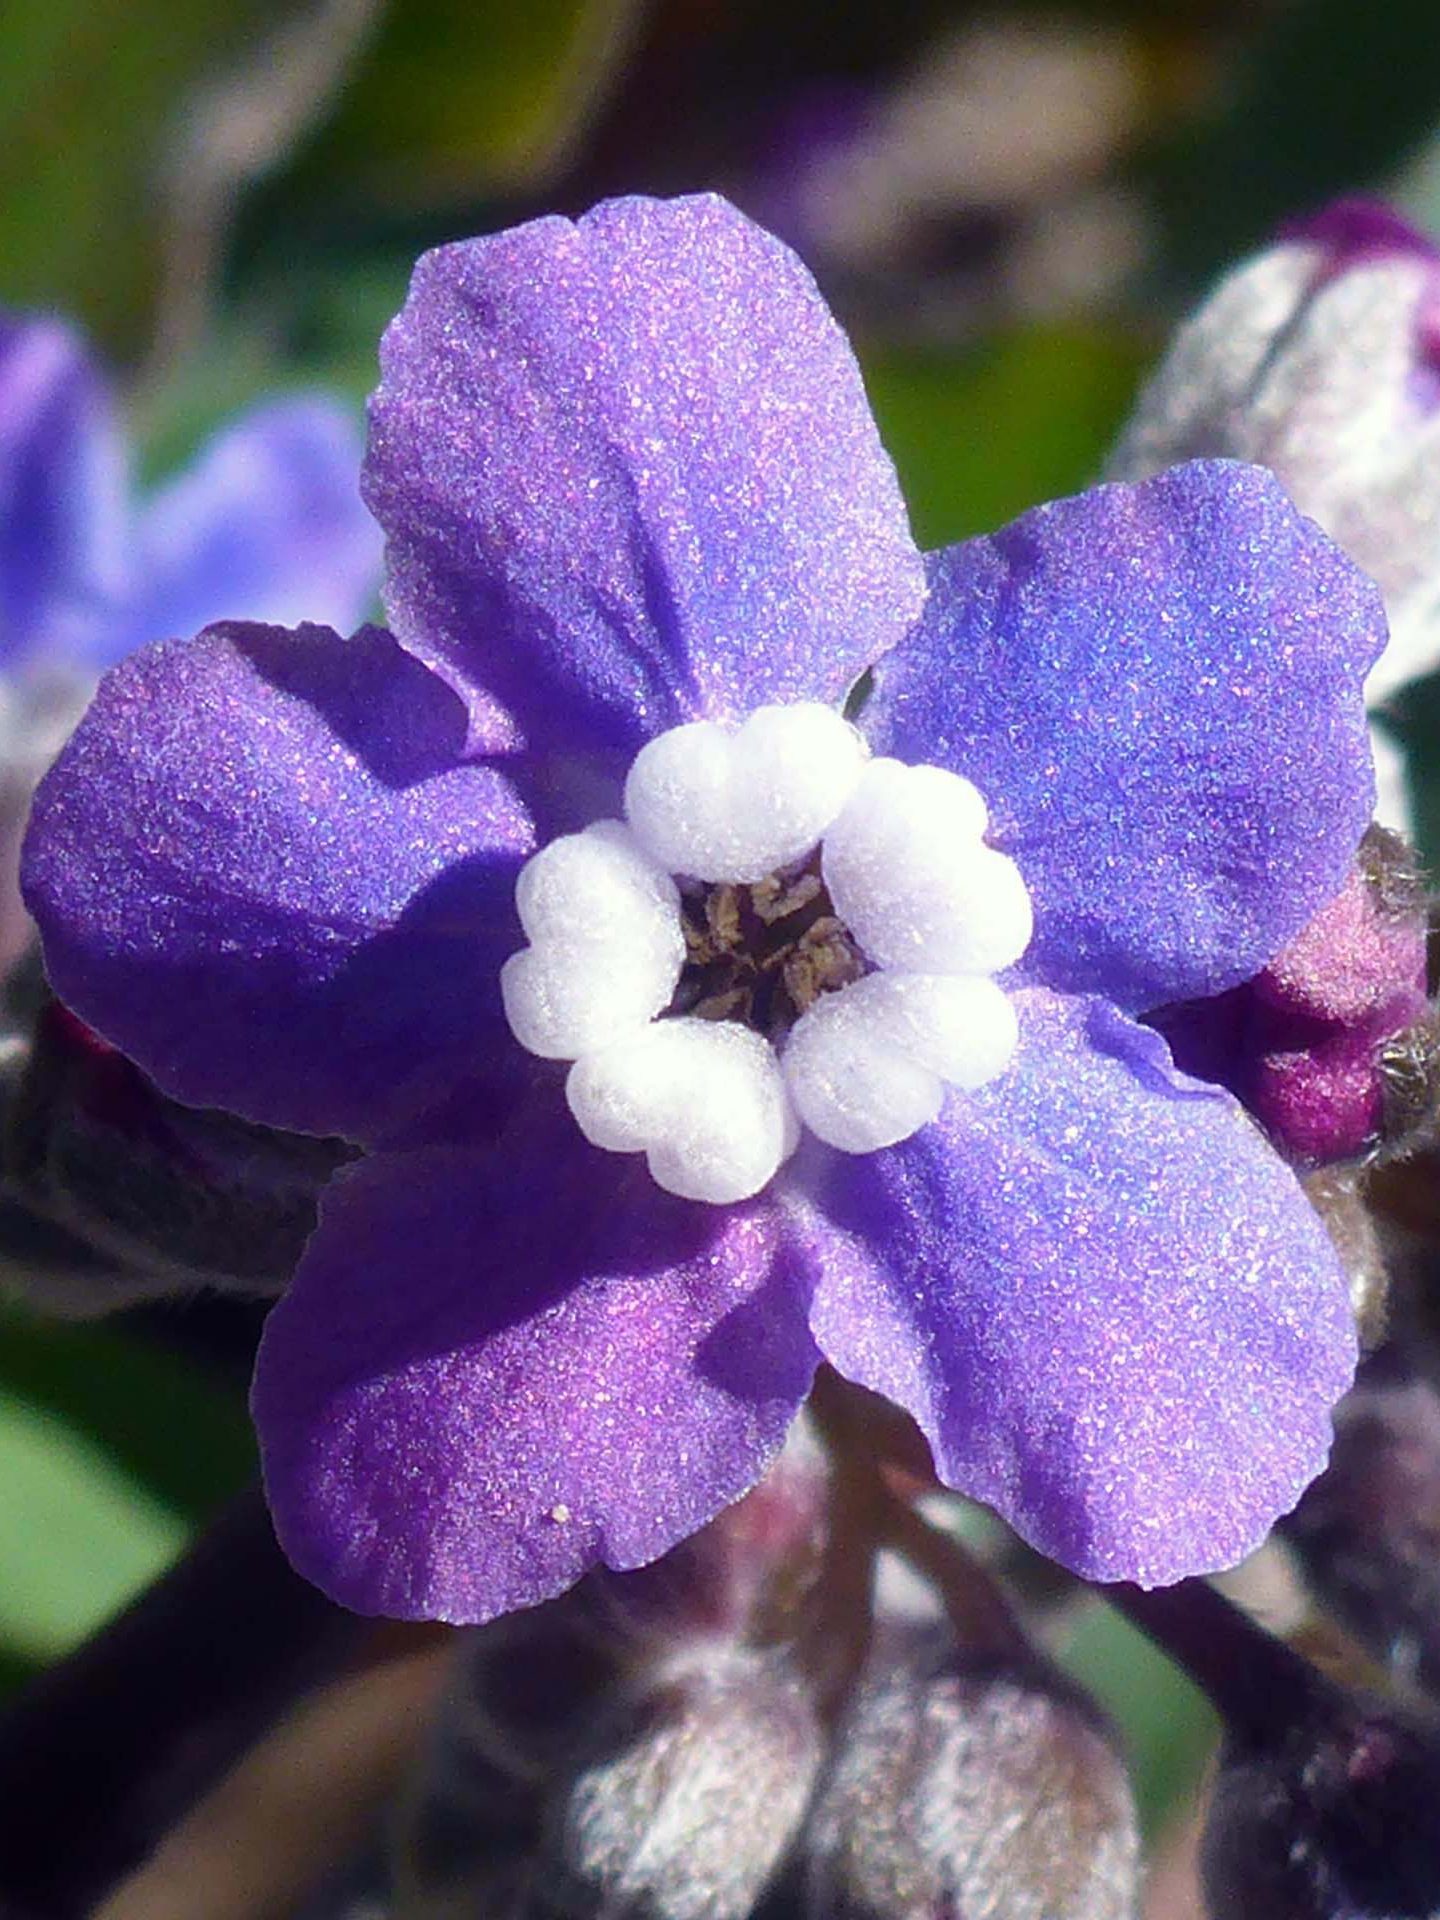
78	1535
182	1437
90	96
1170	1728
1327	98
458	98
979	438
111	1454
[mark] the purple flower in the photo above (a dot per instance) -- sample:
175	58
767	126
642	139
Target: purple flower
630	483
266	522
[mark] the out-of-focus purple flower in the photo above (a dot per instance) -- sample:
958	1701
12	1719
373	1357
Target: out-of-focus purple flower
266	523
629	483
1304	1043
267	518
1320	359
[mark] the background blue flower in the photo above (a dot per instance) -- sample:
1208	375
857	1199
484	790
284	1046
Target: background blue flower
264	522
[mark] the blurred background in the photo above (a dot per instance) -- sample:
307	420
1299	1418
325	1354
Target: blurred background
1007	205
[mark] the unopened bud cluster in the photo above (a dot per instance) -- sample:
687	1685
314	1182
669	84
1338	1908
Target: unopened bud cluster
1330	1045
772	1718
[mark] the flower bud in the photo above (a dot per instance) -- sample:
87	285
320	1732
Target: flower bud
115	1193
1320	359
1326	1804
1340	1195
1337	1817
1311	1045
688	1793
671	1789
1367	1532
646	1744
963	1784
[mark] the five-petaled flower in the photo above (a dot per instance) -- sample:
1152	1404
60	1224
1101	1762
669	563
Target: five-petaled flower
266	522
630	483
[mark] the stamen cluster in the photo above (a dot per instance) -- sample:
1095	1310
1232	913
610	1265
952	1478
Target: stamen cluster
781	934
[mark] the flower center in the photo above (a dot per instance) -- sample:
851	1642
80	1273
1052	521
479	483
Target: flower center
764	953
781	934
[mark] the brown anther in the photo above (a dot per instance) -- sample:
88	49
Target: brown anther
765	952
700	949
723	917
824	960
776	897
731	1003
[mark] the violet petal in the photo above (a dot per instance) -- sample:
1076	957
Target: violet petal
629	477
1157	689
260	870
495	1370
1104	1298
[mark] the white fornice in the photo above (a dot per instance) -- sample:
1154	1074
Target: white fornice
736	806
913	880
869	1065
606	943
709	1102
702	1099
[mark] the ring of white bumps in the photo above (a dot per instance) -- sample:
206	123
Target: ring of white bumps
711	1104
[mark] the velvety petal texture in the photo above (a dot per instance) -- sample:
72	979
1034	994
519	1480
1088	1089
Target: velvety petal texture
1157	689
267	525
63	506
628	477
1102	1296
261	871
494	1370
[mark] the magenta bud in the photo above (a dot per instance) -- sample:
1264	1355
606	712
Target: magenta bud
1308	1045
1353	231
